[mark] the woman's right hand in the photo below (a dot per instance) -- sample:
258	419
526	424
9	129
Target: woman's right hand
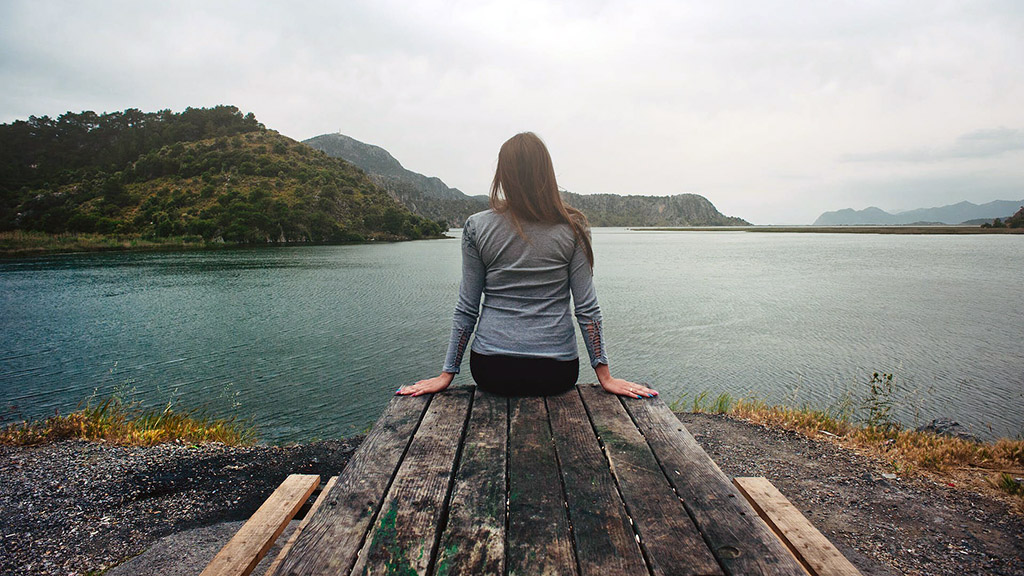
428	386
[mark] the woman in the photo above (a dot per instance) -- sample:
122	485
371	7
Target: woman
527	254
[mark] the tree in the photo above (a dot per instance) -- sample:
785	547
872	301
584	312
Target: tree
1017	220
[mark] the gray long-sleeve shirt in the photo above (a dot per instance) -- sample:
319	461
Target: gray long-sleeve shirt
525	284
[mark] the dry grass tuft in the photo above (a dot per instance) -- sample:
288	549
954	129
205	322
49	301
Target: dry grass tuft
1010	485
992	464
128	423
805	420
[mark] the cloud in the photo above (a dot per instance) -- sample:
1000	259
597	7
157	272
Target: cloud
976	144
771	109
983	143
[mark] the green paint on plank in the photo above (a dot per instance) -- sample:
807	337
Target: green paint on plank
386	548
444	567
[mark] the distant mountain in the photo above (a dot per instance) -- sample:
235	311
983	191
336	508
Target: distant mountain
423	195
959	213
678	210
432	198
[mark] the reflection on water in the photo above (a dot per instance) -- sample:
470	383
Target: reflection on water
312	341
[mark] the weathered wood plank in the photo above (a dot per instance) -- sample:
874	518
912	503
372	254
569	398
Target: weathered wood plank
405	536
605	542
669	538
819	556
474	538
302	526
741	542
335	533
539	542
252	541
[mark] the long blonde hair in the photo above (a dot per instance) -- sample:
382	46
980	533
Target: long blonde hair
524	188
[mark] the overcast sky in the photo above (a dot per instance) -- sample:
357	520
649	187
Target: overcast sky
775	111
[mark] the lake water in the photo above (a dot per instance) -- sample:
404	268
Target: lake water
312	341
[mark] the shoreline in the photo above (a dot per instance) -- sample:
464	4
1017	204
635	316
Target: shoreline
920	230
24	244
19	244
76	506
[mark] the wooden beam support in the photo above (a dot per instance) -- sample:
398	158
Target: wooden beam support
295	535
814	551
252	541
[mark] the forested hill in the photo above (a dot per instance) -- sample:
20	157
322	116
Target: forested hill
425	195
212	173
678	210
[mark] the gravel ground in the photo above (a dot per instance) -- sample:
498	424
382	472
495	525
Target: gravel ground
884	526
79	507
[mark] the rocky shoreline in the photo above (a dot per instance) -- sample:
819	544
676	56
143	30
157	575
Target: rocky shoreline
82	507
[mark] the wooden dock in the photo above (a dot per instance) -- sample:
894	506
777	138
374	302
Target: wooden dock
584	483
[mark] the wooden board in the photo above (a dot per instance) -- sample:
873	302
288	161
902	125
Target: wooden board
474	538
605	542
252	541
295	535
741	542
405	536
539	542
814	551
670	540
336	531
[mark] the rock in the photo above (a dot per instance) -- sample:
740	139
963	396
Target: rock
947	427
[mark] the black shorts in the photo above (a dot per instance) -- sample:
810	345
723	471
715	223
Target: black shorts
511	376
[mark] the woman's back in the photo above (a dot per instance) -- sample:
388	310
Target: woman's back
526	282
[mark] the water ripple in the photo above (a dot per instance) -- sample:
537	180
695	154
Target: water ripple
312	341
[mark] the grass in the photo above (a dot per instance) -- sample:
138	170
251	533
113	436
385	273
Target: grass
18	243
119	422
867	426
21	243
1010	485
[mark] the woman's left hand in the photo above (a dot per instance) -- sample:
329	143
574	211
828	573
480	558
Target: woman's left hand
621	387
627	388
428	386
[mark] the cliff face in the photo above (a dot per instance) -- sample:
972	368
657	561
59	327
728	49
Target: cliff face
679	210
